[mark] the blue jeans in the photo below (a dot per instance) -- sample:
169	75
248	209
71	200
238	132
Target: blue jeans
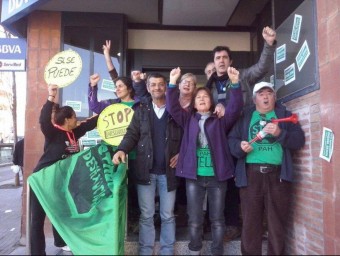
146	200
196	190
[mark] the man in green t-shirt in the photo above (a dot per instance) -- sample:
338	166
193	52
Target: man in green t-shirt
264	169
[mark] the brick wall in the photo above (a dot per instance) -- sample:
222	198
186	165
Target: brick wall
313	227
43	41
305	229
328	16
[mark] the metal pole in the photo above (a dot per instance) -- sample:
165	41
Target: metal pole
28	220
273	25
127	198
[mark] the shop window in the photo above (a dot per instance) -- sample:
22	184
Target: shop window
88	40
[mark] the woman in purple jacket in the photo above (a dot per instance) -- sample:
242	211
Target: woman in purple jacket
204	159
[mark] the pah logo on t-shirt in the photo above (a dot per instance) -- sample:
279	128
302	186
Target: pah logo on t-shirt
268	140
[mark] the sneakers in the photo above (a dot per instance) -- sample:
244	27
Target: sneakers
232	232
66	248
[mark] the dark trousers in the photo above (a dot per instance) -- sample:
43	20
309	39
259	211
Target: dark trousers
265	196
196	190
232	205
133	208
38	244
181	198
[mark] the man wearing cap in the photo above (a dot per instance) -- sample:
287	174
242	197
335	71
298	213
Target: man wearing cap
264	170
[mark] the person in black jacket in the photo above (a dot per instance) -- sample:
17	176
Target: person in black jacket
157	138
18	160
18	154
61	140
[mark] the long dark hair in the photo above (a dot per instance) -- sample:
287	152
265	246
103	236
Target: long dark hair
128	82
207	90
61	113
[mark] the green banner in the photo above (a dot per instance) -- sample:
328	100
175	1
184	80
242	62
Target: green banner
84	196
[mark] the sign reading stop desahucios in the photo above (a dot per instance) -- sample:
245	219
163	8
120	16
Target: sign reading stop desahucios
63	69
113	122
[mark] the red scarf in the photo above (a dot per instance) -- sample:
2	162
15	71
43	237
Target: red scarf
73	147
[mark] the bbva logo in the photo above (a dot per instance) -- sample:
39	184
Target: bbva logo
7	48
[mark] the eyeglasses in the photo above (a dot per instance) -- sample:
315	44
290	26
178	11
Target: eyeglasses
188	82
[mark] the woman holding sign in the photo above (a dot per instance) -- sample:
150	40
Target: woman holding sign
61	140
126	95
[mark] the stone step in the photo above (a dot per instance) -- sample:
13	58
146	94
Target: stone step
131	248
181	248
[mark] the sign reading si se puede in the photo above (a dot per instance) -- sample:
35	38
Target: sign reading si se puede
63	69
113	122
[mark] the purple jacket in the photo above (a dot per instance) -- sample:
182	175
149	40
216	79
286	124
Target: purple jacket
216	131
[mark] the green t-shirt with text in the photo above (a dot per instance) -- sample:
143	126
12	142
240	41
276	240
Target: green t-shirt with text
204	162
267	150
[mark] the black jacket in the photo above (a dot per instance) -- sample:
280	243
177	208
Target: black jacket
18	154
249	76
55	139
139	136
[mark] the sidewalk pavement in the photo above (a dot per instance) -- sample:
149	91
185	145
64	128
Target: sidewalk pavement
11	242
10	217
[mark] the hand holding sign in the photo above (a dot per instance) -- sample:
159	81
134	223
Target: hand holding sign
113	122
52	90
63	69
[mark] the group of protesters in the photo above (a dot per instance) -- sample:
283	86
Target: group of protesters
189	142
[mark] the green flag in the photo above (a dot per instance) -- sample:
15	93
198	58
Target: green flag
84	196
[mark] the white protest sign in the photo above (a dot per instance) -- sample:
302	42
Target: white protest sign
327	144
63	69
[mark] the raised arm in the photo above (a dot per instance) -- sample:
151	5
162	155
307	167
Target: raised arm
172	103
111	68
95	105
256	72
46	113
139	84
269	35
235	103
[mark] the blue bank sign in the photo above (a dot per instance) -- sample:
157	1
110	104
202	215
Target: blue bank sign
15	9
12	54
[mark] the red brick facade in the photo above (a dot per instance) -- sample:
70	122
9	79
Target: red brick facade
43	41
328	17
313	227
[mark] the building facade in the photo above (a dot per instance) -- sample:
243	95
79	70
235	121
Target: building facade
313	226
